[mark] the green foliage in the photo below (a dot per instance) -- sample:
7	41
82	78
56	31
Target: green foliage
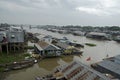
113	28
25	55
2	69
68	51
5	58
29	47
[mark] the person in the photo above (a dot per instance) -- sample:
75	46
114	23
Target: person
4	39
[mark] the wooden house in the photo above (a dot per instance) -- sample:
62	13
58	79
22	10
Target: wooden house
46	49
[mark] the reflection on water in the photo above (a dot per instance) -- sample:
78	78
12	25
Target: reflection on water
96	53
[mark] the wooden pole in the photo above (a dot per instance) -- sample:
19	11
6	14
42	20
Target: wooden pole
23	46
0	48
10	47
7	48
14	46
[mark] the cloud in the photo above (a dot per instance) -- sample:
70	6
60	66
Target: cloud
92	11
101	7
60	11
13	6
108	3
95	7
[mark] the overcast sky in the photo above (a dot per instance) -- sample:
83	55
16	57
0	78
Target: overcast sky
60	12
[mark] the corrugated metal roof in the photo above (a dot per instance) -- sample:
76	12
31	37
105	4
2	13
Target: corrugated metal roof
43	45
55	46
62	45
112	66
78	71
40	36
36	45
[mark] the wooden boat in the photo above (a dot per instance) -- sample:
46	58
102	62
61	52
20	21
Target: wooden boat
19	65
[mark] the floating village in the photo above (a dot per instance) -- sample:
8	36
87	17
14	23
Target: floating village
22	48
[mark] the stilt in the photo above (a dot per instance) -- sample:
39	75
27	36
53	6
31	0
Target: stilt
7	49
23	47
0	48
10	47
14	46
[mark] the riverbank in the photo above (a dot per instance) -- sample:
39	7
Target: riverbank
10	58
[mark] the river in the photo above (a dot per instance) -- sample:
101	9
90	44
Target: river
44	67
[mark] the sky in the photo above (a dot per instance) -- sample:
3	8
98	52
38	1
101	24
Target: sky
60	12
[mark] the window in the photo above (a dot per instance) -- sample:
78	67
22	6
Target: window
12	36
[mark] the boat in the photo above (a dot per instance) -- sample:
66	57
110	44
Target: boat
19	65
117	39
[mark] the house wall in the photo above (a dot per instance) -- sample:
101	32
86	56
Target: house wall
48	51
14	36
53	51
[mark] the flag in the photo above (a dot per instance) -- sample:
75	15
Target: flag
88	59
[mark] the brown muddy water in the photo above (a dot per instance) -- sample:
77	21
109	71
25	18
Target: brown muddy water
42	68
45	66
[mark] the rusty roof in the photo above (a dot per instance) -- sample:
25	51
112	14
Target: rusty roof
78	71
43	44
